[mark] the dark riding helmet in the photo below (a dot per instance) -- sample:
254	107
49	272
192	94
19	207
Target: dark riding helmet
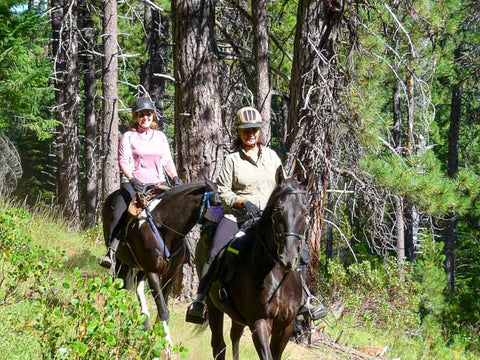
142	103
248	117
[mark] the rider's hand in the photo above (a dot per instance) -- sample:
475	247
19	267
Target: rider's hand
177	181
252	210
136	184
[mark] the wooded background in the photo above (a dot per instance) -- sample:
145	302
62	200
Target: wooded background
378	100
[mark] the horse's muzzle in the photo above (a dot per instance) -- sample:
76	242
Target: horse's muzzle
288	262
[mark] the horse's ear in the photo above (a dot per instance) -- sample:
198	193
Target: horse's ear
280	176
210	184
306	180
310	180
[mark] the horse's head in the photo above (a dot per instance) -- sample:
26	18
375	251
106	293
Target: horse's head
287	212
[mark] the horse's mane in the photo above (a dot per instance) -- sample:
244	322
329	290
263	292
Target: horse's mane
288	186
185	188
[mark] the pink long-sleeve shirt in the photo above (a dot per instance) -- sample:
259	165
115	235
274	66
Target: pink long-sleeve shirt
145	155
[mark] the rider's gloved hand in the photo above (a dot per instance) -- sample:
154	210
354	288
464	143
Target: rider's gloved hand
252	210
177	181
136	184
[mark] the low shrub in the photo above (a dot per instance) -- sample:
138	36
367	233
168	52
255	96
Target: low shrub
99	321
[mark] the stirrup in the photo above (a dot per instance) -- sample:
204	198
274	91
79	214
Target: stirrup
196	313
105	260
315	312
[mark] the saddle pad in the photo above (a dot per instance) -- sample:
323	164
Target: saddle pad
142	217
233	256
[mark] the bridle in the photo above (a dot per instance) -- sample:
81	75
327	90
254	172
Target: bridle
276	235
275	260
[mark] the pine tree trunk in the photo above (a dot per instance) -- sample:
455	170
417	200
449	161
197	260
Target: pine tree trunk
451	233
70	124
313	106
65	46
91	169
397	119
411	112
110	175
262	66
58	74
152	71
198	125
400	232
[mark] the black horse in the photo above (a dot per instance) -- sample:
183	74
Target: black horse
257	282
175	215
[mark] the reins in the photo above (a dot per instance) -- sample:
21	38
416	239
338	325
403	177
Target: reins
295	234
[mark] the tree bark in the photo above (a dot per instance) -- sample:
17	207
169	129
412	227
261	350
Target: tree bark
158	47
58	72
400	233
313	107
65	46
70	125
91	169
397	119
453	134
411	112
110	172
198	125
262	65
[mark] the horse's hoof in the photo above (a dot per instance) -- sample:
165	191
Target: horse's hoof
196	313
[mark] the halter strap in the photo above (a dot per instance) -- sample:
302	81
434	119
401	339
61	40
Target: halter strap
297	235
303	192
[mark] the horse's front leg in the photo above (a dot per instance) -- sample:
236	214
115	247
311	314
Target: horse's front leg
280	336
162	309
261	330
235	334
215	321
140	281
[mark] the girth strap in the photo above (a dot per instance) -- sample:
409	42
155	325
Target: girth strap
155	232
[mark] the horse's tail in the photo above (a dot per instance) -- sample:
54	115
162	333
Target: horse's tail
107	211
199	329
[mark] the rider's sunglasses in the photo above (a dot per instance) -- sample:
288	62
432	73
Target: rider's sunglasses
249	130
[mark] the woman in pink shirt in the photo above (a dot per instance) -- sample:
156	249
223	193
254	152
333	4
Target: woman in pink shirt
143	154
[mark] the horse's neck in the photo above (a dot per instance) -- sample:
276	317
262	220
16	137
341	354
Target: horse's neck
264	255
180	214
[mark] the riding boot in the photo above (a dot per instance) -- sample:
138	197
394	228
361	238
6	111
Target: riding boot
196	312
108	260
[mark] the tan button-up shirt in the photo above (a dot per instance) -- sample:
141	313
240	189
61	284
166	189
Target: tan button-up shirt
243	178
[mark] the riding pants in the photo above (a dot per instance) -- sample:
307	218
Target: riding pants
120	206
226	229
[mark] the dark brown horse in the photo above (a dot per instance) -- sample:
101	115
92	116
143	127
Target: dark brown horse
177	213
257	282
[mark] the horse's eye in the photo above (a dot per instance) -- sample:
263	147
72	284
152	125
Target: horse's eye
307	219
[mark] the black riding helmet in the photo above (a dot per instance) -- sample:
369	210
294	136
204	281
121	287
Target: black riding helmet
142	103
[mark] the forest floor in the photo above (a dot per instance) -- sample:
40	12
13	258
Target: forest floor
332	340
199	343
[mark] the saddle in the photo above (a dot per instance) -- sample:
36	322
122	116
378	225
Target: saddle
232	256
140	202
